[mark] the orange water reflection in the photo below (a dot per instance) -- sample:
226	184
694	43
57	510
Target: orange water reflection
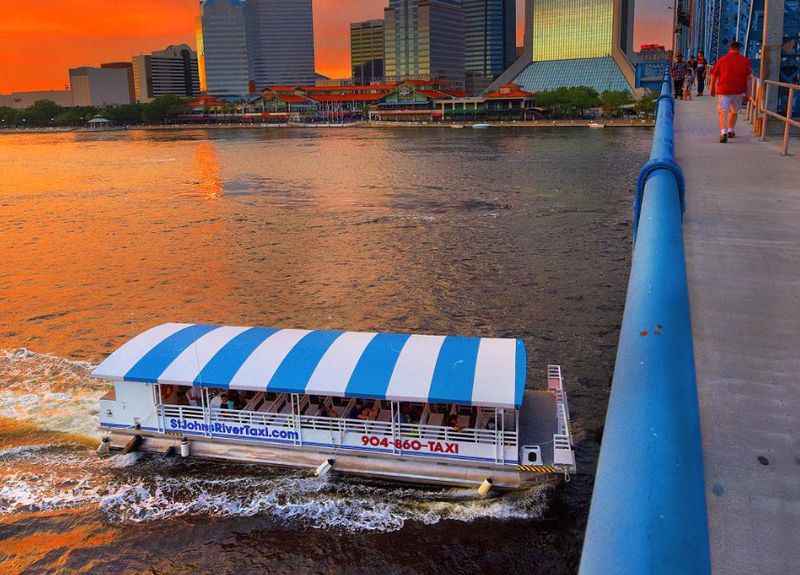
206	163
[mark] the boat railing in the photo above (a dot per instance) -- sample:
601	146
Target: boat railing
562	439
508	438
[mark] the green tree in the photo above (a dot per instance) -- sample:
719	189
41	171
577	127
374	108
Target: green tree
612	101
8	117
164	108
125	115
569	102
647	104
42	113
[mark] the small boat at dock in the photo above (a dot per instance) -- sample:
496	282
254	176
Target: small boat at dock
443	410
481	126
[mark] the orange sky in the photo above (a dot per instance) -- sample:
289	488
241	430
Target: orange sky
41	39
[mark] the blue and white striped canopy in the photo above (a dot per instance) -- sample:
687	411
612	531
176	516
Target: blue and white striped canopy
421	368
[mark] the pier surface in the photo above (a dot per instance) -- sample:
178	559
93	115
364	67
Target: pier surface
742	240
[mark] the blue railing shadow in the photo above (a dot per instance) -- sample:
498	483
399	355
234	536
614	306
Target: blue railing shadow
648	513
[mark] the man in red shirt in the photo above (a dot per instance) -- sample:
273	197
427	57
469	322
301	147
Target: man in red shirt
730	82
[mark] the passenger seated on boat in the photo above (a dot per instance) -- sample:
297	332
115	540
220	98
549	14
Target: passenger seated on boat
169	394
326	410
231	400
452	421
219	401
405	413
371	413
192	396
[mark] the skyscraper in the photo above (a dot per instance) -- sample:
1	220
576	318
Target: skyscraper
222	48
367	51
425	40
575	43
490	39
281	42
252	44
172	71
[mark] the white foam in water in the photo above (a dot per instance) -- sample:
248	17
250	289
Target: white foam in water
51	392
160	488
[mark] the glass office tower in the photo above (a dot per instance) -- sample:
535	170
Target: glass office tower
578	43
222	48
366	51
281	42
490	39
569	29
246	44
424	40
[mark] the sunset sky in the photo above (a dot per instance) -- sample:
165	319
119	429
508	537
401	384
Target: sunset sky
40	40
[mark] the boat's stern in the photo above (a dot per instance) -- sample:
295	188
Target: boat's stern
545	437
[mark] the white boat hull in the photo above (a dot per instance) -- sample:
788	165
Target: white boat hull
388	467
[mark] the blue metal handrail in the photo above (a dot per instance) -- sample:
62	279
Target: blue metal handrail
648	513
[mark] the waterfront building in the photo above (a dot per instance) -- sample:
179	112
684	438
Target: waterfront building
490	34
509	102
222	45
425	40
99	86
22	100
575	43
128	67
172	71
367	51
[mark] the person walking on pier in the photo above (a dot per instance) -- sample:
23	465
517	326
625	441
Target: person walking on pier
678	76
730	81
700	72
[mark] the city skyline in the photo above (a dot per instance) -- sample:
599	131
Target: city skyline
41	42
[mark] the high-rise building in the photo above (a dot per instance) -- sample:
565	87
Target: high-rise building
222	46
246	45
99	86
281	42
367	51
172	71
490	40
425	40
128	67
576	43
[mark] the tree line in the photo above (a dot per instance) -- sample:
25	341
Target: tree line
575	102
46	113
560	103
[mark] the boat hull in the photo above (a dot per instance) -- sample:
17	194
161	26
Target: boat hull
386	467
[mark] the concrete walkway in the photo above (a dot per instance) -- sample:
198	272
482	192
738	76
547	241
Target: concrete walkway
742	237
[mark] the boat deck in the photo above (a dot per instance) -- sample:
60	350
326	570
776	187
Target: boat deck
537	422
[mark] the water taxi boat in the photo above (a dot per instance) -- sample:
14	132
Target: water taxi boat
444	410
481	126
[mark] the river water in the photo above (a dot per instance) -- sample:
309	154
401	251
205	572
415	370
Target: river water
522	233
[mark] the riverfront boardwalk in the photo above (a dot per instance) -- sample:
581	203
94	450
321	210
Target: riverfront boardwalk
742	240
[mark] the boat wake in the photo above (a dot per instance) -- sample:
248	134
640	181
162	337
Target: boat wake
48	417
50	392
134	489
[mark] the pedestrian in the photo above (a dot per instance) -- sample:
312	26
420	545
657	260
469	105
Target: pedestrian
700	72
730	82
678	75
688	83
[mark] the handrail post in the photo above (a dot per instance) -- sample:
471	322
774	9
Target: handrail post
764	114
788	123
648	513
